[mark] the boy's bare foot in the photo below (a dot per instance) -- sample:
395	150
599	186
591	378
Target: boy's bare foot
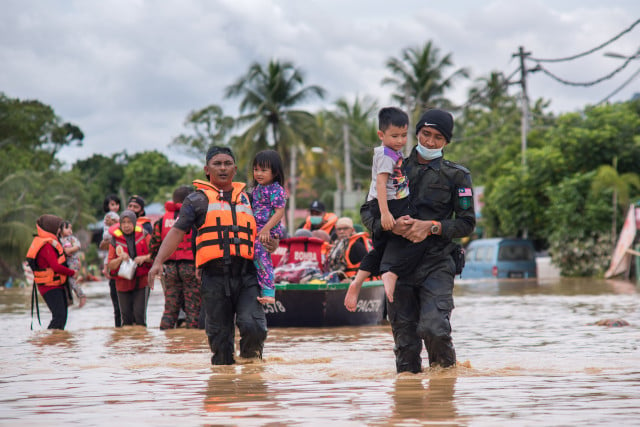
389	280
83	301
351	298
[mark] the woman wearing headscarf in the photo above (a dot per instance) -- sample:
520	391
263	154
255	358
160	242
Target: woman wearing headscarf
46	258
130	241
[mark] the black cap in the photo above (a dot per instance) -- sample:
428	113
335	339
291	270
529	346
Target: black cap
219	150
440	120
317	206
139	200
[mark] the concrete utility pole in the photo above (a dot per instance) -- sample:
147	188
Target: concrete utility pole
293	164
524	126
348	179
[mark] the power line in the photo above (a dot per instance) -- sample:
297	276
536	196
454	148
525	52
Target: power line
629	80
591	83
569	58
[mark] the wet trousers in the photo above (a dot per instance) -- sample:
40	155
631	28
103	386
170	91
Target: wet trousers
114	301
239	304
420	313
56	300
133	306
181	288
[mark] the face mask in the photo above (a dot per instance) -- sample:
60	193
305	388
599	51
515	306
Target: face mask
428	153
315	220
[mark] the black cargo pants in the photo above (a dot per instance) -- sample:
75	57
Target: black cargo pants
228	298
421	312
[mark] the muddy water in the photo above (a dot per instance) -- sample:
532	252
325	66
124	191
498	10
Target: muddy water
529	354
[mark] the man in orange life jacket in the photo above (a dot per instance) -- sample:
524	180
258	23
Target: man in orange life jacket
349	248
136	204
181	287
46	259
320	219
221	211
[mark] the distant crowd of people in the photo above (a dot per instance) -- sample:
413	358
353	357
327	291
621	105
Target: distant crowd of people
212	248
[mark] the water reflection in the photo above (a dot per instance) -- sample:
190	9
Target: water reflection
62	339
431	400
228	390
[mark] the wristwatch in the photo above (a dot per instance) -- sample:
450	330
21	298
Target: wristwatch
435	227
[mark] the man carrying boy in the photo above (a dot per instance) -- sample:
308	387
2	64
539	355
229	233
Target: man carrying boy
442	192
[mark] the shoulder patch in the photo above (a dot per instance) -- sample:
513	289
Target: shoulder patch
457	166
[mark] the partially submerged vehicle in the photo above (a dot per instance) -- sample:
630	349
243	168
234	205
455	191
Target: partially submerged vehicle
500	258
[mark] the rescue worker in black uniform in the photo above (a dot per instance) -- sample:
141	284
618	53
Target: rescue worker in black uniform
442	195
221	212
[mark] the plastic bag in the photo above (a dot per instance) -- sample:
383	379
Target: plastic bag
127	269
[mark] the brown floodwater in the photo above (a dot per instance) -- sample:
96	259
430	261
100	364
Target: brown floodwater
529	354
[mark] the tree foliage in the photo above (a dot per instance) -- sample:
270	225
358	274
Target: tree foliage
209	126
269	96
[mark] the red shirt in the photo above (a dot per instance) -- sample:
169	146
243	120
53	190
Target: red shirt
48	258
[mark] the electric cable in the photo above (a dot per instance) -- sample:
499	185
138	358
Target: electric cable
591	83
570	58
622	86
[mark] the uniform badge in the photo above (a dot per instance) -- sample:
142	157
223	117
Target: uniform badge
465	195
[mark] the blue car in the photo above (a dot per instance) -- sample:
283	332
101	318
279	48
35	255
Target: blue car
500	258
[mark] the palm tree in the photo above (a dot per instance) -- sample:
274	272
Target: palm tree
269	97
490	92
607	177
420	81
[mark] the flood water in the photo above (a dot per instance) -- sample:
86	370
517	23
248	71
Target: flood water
529	354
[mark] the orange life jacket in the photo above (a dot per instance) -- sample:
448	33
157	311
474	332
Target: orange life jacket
229	229
141	248
328	222
45	276
352	268
184	251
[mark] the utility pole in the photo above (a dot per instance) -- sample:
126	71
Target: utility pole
524	125
348	180
293	164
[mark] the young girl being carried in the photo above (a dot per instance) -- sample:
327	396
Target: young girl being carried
71	246
269	200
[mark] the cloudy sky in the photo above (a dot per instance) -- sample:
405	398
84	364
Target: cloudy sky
128	72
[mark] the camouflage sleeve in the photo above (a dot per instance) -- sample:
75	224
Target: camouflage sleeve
156	239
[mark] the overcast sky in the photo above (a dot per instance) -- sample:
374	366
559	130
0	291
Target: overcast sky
128	72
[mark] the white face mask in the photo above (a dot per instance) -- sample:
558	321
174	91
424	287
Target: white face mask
428	153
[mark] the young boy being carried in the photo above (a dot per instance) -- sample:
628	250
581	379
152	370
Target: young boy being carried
388	198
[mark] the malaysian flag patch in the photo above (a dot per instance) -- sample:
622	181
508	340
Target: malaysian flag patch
464	192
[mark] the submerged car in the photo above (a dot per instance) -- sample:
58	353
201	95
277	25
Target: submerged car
500	258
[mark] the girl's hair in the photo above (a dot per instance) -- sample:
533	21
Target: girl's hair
105	204
65	224
269	159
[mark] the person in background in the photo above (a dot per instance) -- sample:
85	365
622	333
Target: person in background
111	207
46	259
326	244
230	290
180	285
136	204
130	240
268	200
72	247
320	219
348	250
